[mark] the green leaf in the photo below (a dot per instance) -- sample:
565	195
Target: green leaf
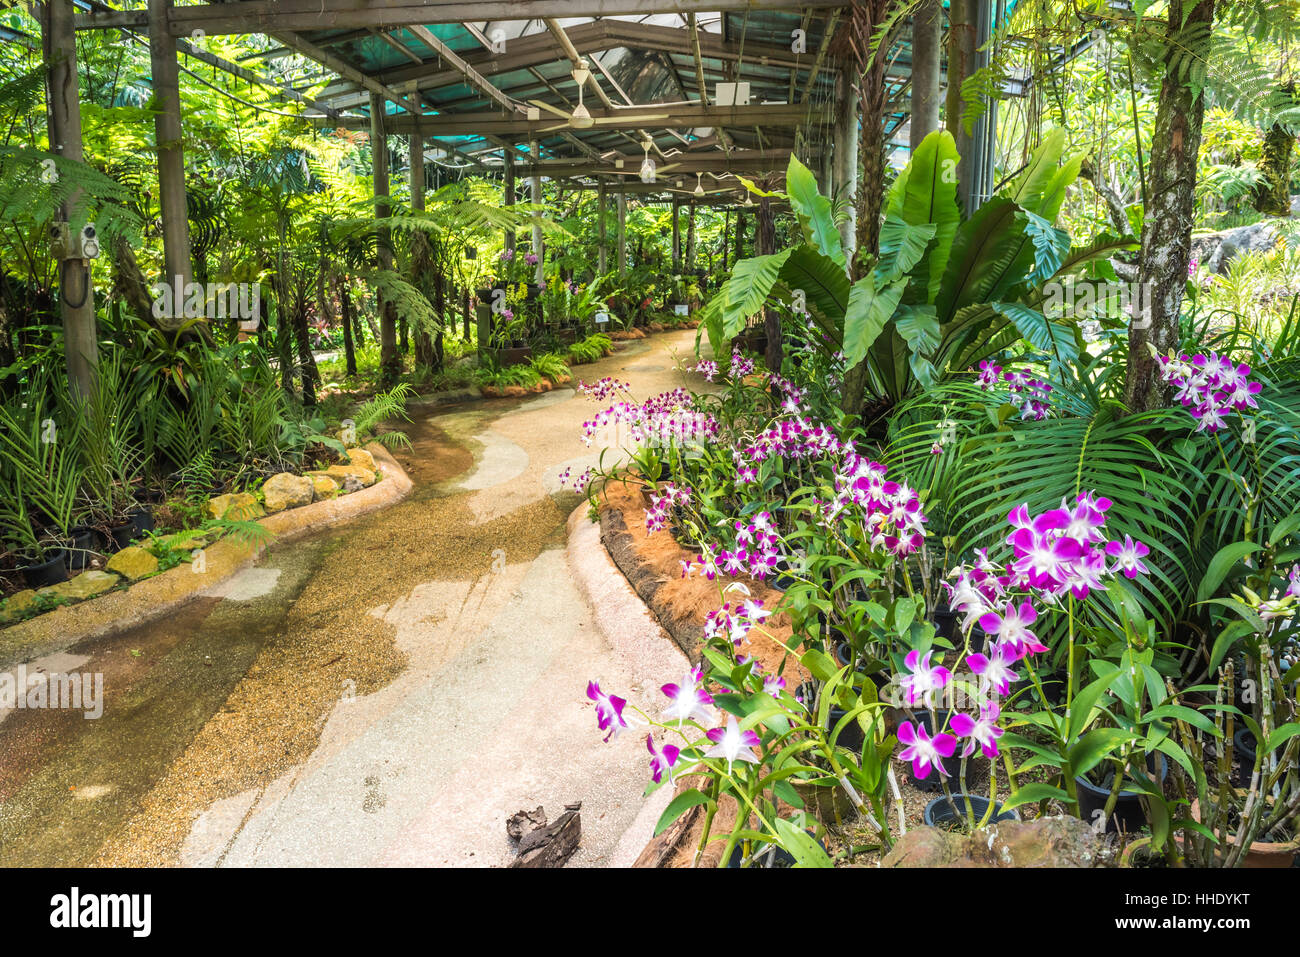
1220	565
748	288
1089	750
679	806
1281	735
926	192
801	845
901	247
1032	794
819	665
813	210
1054	338
1082	705
868	311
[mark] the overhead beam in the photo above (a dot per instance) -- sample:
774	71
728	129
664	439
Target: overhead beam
268	16
737	161
467	124
470	74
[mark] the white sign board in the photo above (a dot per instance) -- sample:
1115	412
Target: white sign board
682	310
602	318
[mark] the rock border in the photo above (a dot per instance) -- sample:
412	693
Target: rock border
156	597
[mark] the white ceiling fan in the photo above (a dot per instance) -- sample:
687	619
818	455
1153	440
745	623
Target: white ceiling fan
581	118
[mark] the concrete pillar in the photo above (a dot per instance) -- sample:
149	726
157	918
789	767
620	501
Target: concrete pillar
927	30
537	228
76	294
171	155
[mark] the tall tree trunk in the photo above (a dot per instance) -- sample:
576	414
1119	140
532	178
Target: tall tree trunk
927	32
349	349
1171	201
766	239
308	373
1273	196
962	15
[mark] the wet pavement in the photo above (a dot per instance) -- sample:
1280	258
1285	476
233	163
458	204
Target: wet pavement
385	692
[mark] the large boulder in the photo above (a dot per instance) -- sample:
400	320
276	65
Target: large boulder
1213	251
342	473
17	605
1043	842
133	563
324	487
88	584
287	490
362	458
237	506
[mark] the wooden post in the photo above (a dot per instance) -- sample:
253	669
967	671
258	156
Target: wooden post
601	253
726	240
927	28
427	350
690	241
508	187
389	359
171	155
76	294
622	231
765	240
677	239
962	17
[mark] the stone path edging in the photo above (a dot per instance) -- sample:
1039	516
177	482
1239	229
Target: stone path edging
155	597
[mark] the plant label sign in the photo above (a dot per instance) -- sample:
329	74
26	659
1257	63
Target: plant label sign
602	318
682	310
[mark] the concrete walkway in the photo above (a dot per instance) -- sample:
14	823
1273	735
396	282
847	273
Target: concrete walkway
421	675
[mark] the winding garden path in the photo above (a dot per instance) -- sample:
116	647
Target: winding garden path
387	692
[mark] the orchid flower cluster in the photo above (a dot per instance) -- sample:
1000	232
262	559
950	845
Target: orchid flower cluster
890	512
756	554
1030	396
690	703
663	420
1058	552
1209	386
1282	605
656	516
578	483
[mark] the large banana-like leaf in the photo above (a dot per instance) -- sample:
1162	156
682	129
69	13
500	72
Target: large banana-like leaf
1028	188
750	284
813	210
1053	338
926	192
901	246
984	252
825	286
869	310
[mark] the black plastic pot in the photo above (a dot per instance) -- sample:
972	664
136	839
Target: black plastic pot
944	620
141	520
1244	751
84	540
777	857
942	809
784	580
120	536
49	571
1128	814
951	765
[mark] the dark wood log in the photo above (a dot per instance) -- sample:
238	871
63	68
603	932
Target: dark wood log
553	844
